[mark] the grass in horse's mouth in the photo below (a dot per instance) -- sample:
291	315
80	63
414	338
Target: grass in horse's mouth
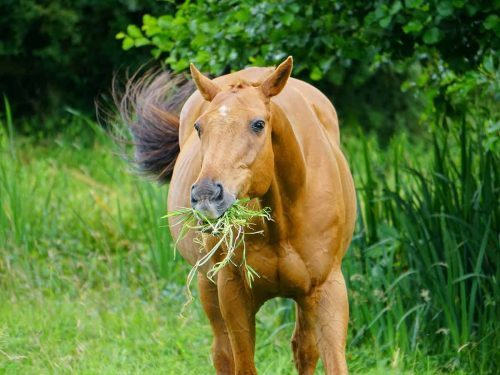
229	229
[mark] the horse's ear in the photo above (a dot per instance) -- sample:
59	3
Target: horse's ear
277	80
206	86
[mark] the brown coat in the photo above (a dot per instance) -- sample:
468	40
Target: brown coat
296	167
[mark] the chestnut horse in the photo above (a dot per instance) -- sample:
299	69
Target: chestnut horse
259	134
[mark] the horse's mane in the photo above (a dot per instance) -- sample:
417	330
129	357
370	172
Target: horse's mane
240	82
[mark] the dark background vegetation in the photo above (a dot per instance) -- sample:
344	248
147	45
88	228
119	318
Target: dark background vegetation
370	57
58	53
417	87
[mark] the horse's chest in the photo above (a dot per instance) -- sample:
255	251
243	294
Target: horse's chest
281	270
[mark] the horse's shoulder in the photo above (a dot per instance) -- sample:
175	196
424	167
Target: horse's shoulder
302	97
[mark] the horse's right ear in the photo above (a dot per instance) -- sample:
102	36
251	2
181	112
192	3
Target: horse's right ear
206	86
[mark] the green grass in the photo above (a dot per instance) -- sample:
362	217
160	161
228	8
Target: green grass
115	331
424	260
89	283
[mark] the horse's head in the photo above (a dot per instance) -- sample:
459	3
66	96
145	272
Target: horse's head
235	134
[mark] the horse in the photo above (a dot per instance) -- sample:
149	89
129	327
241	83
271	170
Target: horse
262	135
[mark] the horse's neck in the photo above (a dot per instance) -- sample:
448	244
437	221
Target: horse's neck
287	188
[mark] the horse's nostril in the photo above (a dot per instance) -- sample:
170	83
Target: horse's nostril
219	193
194	198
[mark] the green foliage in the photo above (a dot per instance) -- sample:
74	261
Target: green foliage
57	53
356	51
326	37
427	247
67	204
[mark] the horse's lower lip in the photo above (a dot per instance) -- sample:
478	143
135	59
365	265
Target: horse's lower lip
213	210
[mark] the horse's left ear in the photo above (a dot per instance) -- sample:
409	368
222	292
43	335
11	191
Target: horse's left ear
277	80
206	86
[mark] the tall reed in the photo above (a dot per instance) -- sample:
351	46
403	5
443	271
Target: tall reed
423	268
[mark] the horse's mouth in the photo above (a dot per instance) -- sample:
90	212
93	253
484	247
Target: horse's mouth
210	212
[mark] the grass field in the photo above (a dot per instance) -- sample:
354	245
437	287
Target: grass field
88	282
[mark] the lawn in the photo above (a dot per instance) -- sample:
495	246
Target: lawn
89	283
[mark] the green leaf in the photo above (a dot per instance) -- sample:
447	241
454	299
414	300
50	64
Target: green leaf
294	7
325	63
156	52
396	7
120	35
127	43
445	8
165	21
151	30
242	15
381	11
414	4
386	21
316	73
459	3
162	42
488	64
148	20
257	60
431	36
180	65
134	32
139	42
287	19
413	27
492	22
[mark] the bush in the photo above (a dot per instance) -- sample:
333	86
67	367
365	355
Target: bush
358	52
57	53
423	267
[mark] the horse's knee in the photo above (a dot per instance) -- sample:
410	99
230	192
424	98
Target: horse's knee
305	352
222	356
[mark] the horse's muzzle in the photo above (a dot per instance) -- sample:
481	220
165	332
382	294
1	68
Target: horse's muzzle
209	198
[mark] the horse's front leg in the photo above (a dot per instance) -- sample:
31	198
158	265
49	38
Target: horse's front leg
305	351
238	310
327	309
221	348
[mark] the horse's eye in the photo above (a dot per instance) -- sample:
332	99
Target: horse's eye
198	128
258	126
